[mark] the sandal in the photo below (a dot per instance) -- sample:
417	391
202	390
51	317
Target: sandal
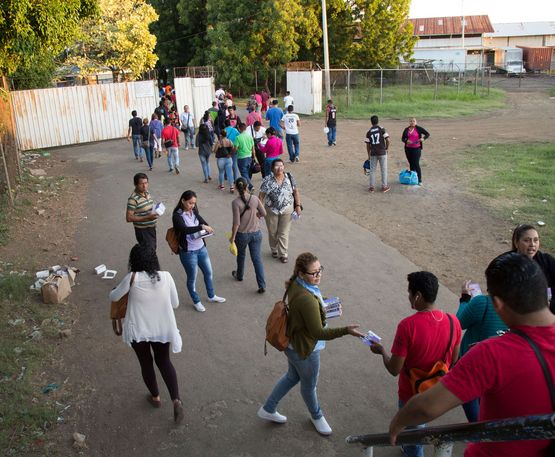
283	259
274	255
178	412
221	187
153	402
231	189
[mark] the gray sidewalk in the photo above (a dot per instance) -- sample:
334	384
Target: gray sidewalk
222	371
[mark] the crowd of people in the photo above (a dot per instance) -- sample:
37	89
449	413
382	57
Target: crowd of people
493	370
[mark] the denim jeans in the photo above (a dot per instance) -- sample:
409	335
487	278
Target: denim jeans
416	450
306	371
189	137
190	261
137	139
150	155
225	166
173	158
205	164
245	168
268	165
293	146
331	135
235	167
383	169
254	241
472	410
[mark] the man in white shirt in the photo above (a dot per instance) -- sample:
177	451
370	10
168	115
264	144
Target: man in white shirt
187	121
291	123
287	101
220	93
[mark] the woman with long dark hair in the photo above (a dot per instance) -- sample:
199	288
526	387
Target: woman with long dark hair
245	231
191	228
149	325
204	143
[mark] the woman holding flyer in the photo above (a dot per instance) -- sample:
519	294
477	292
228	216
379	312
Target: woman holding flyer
307	330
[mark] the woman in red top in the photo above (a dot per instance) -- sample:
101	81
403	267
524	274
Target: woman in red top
413	136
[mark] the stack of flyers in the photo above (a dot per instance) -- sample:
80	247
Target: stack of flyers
332	307
370	338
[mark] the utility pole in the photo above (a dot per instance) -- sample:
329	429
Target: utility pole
326	51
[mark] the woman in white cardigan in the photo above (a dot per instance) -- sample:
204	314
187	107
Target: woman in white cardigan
149	326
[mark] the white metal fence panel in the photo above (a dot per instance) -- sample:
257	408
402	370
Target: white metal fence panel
70	115
198	93
306	89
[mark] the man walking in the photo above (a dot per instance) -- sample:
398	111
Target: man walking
156	134
274	115
291	123
377	145
421	340
330	122
134	132
505	372
140	212
170	139
244	146
287	101
187	121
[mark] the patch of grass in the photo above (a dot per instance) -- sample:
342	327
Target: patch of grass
422	102
4	227
517	181
27	332
552	92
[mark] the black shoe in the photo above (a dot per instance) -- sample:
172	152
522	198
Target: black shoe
261	290
234	274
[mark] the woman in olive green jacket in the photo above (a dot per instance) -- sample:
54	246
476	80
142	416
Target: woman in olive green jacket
307	331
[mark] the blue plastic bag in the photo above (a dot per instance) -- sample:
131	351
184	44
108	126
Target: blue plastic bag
366	167
409	178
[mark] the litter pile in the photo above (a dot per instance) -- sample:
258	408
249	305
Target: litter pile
55	283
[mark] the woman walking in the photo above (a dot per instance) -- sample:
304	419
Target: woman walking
247	211
204	143
223	148
281	197
190	228
413	136
149	326
307	331
271	150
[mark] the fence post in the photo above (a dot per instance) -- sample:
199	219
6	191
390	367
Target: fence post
410	84
489	80
381	87
368	452
8	183
435	87
443	450
459	83
348	87
476	82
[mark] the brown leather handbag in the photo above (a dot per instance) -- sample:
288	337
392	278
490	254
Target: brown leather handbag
118	309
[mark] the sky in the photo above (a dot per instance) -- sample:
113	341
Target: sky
497	10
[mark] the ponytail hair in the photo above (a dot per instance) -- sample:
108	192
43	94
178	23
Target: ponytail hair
187	195
301	265
241	186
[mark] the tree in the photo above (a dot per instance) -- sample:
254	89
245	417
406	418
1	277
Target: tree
118	38
37	31
385	34
193	43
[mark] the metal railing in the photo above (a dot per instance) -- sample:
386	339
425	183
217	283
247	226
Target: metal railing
541	427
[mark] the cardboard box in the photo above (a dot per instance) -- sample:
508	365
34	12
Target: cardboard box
56	289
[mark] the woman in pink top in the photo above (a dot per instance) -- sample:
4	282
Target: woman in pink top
272	149
413	136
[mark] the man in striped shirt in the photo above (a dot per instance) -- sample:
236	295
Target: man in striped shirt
140	211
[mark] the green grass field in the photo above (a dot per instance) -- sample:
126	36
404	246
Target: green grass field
398	104
516	180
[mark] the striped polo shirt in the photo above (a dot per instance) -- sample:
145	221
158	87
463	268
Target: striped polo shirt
141	205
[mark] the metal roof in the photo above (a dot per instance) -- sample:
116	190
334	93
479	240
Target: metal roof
508	29
451	25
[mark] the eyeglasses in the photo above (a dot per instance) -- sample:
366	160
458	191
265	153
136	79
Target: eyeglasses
316	273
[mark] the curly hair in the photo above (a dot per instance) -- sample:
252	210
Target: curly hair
302	262
144	258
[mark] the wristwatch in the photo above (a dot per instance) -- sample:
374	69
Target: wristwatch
300	206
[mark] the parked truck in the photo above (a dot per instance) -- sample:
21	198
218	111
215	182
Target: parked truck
509	60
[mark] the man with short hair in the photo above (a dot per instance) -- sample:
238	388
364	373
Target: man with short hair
503	371
377	145
187	121
287	101
140	207
291	123
258	133
134	132
274	115
170	140
156	134
330	122
421	340
244	147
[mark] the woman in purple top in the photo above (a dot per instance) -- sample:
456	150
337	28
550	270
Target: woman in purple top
413	136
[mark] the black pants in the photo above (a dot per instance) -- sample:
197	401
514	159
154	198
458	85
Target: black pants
162	358
413	156
146	236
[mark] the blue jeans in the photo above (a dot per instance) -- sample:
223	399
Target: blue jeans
293	146
253	240
190	260
472	410
150	155
189	137
225	165
268	165
137	139
244	169
235	167
331	135
173	158
306	371
416	450
205	164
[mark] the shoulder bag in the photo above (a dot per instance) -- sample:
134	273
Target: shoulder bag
276	326
118	309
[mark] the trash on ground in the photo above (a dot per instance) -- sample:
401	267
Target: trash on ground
15	322
541	223
100	269
50	388
37	172
79	440
57	285
109	274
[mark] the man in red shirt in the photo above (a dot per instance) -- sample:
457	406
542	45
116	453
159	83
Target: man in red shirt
421	340
170	140
503	371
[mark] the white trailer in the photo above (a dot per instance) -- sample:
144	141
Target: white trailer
509	60
447	59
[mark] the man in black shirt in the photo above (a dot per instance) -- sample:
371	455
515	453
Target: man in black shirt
377	144
134	132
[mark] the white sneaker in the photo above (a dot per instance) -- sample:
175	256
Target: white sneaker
322	426
199	307
216	299
275	417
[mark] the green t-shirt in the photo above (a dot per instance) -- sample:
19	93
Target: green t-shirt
244	144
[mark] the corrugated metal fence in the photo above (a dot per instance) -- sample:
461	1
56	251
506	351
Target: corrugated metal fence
70	115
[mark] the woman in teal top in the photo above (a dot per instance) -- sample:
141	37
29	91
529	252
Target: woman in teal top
480	320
